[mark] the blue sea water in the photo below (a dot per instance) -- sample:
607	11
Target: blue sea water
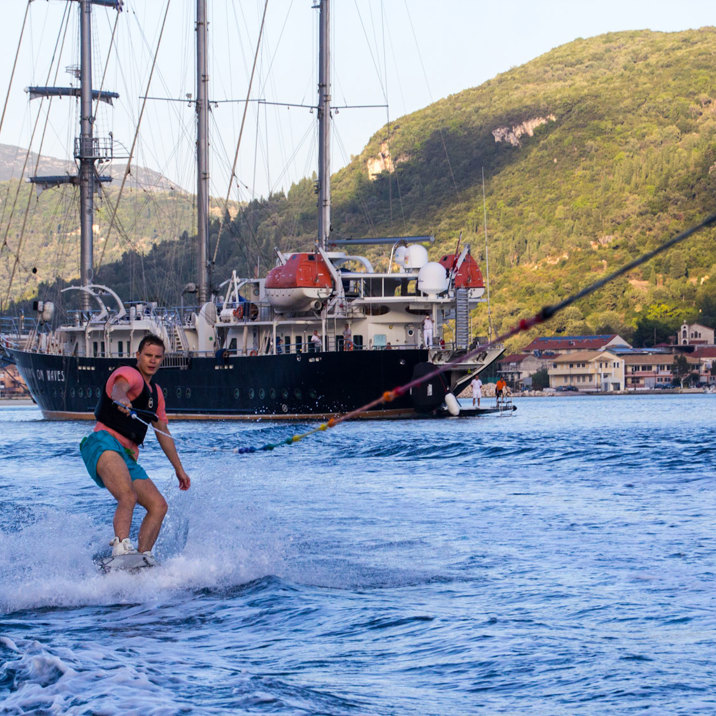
561	560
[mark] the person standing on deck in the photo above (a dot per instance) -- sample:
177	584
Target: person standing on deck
316	342
110	452
476	384
347	338
428	331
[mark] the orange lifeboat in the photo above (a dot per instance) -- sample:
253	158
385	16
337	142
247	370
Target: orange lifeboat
467	276
300	284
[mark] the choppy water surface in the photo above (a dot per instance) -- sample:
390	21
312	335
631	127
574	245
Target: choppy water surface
561	560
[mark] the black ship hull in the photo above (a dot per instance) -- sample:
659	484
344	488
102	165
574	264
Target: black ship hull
290	386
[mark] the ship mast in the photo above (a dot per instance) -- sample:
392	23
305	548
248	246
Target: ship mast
202	153
324	124
86	154
88	149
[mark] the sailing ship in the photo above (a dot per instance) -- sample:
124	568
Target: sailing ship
322	333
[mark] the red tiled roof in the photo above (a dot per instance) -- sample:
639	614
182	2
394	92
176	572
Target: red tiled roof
514	358
557	343
704	352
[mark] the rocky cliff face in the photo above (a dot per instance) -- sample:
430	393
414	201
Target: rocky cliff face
512	135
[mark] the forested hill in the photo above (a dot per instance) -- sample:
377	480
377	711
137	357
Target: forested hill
591	154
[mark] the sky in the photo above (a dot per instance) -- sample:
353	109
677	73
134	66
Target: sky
403	53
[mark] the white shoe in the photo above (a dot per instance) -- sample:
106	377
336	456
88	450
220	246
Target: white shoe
120	547
149	558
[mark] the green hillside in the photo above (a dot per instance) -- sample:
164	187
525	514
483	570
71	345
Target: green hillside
622	155
591	153
50	247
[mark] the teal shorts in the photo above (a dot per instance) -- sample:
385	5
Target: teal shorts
98	442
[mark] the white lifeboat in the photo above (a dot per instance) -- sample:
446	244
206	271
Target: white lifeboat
302	283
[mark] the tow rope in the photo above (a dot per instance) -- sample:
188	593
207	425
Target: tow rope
543	315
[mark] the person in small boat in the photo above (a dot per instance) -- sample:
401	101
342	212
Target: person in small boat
110	452
500	387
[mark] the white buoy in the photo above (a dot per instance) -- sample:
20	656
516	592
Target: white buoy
452	405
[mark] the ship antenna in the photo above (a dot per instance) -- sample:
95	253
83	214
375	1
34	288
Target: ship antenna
487	259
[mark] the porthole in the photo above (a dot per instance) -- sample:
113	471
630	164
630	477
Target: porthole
178	391
188	392
262	393
252	393
312	394
284	393
80	393
272	393
164	390
97	392
236	393
72	392
297	392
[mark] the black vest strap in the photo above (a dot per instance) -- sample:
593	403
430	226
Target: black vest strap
110	415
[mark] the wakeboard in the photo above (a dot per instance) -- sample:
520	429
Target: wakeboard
135	562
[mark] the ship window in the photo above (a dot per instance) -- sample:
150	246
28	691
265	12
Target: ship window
284	393
97	392
236	393
232	344
380	341
358	342
95	348
120	348
72	392
252	393
312	394
272	393
299	343
287	344
179	392
297	392
262	393
188	392
80	393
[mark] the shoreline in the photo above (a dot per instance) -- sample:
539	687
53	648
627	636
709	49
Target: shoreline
552	393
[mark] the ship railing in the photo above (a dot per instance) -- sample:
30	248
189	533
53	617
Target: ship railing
17	327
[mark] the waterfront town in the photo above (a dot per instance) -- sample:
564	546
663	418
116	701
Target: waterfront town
608	363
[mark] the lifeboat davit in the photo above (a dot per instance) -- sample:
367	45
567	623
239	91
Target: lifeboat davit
467	276
302	283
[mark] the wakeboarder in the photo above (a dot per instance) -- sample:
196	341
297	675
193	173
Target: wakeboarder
130	401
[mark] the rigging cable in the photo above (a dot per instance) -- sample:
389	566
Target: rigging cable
241	130
127	170
14	65
59	45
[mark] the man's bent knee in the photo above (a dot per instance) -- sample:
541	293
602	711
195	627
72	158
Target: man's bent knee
160	507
